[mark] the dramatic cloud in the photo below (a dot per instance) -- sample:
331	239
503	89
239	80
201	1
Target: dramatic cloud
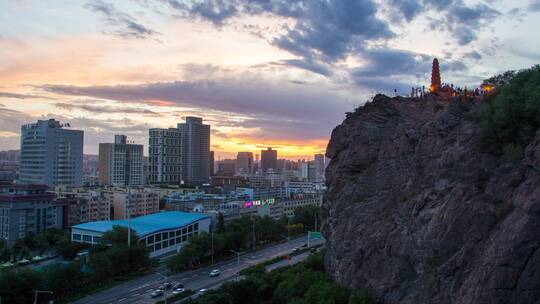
99	109
245	96
126	26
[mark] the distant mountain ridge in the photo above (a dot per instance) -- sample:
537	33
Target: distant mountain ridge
419	213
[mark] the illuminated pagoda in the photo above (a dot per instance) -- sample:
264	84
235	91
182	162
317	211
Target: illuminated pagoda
435	77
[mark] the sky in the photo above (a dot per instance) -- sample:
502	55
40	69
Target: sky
262	73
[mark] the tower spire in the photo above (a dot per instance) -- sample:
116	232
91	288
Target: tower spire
435	76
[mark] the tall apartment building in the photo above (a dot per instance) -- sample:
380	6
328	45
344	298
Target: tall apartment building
165	156
27	209
269	159
195	151
244	162
319	166
120	163
51	155
135	201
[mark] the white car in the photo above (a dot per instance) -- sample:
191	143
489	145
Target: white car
214	273
178	291
156	293
202	291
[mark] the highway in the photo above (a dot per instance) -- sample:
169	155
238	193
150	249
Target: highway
138	290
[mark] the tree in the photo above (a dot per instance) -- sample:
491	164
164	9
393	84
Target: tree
307	216
62	278
220	227
17	286
118	235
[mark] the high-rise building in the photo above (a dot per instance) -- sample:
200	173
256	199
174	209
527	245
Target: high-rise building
120	163
164	156
226	167
319	166
211	163
51	155
27	210
244	162
269	159
195	151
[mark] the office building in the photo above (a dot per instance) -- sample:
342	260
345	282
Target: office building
164	156
51	155
244	163
161	233
195	151
120	163
136	202
27	209
269	160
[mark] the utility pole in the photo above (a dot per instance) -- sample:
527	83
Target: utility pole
212	237
288	229
129	216
253	234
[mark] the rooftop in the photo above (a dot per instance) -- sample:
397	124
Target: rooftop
147	224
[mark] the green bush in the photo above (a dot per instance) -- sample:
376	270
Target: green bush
511	118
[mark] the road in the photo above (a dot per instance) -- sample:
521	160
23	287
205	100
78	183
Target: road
138	290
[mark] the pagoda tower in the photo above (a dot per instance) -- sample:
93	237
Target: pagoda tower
435	76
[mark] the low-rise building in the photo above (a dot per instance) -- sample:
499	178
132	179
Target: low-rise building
27	209
136	201
162	233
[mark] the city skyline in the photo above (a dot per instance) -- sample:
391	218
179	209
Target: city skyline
262	75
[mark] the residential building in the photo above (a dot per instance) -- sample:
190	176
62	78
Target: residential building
162	233
211	163
27	209
51	154
165	156
319	160
120	163
269	160
300	200
83	206
226	167
136	201
244	163
195	151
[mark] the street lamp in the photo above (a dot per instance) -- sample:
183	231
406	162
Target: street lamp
40	291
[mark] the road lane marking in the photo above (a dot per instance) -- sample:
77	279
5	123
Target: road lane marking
122	299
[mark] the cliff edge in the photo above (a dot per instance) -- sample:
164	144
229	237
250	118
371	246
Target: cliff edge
418	213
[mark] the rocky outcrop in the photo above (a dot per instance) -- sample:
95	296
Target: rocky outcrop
418	213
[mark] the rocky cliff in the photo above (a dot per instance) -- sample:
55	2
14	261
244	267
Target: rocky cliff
418	213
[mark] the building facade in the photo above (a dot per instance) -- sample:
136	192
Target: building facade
319	160
162	233
137	202
51	155
165	156
195	151
244	163
120	163
27	209
269	160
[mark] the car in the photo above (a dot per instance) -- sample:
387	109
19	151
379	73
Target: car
156	293
167	285
161	287
214	273
313	250
296	249
179	285
304	246
203	291
178	291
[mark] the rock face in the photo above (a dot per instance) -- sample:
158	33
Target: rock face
418	213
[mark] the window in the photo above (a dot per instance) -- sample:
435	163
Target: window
97	239
87	238
190	228
76	237
171	242
178	232
178	240
158	237
150	239
158	246
184	231
171	234
165	235
196	226
184	238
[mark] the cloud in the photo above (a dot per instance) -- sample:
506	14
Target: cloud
100	109
248	96
307	64
534	5
19	96
404	9
473	55
126	26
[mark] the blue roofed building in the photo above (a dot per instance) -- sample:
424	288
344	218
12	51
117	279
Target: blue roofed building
162	233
